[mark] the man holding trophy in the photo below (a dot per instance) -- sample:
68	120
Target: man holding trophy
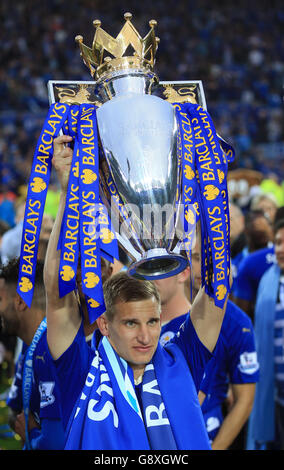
137	150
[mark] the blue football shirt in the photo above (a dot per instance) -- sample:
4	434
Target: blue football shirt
250	271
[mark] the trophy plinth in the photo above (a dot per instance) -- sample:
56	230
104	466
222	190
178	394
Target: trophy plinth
158	264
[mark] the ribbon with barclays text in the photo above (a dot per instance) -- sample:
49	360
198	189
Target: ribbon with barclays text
205	197
86	230
89	211
36	197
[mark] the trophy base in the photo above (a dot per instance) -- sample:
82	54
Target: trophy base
157	264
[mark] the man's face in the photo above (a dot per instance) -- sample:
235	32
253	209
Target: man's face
269	208
134	331
8	316
196	267
279	247
260	231
167	288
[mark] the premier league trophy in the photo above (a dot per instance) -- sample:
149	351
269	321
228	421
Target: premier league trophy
157	166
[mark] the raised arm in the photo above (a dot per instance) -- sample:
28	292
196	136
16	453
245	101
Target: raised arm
207	318
63	317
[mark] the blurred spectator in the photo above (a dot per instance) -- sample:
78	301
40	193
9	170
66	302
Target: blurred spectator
257	234
11	240
266	425
237	234
267	203
4	227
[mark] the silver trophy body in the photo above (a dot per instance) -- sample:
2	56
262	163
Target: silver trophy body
138	135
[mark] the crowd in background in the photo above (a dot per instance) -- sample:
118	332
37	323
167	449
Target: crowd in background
236	50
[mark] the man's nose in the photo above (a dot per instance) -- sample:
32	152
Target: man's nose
143	334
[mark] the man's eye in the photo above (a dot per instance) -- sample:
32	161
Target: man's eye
154	321
130	323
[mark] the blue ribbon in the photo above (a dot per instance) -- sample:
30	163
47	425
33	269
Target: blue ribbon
89	211
204	167
69	235
36	197
28	377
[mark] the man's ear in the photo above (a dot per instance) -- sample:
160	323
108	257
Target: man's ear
19	303
184	275
102	323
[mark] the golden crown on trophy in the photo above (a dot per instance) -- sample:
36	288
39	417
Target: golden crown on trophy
144	49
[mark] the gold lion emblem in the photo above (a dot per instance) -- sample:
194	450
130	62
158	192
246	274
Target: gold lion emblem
189	173
211	192
38	185
75	170
221	292
186	94
88	176
106	235
67	273
91	280
80	95
25	284
221	176
93	303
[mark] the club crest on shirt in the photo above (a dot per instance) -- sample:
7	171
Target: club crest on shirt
166	337
46	396
248	363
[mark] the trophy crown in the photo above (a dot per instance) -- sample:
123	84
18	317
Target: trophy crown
144	49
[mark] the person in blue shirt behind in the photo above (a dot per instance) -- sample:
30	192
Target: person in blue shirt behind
234	364
258	236
251	269
175	304
234	360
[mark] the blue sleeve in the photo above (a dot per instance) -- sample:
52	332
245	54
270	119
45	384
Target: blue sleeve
207	377
71	371
243	363
51	436
196	354
243	288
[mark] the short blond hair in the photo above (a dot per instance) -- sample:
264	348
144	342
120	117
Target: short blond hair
123	288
